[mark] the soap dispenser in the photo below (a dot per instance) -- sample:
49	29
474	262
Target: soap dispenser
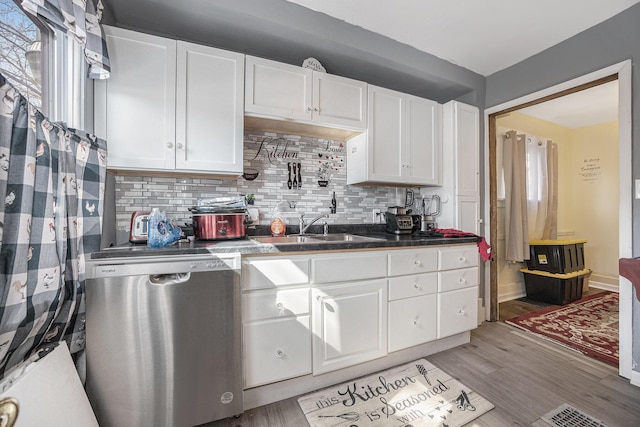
278	224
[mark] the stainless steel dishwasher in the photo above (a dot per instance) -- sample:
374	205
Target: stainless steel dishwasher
164	339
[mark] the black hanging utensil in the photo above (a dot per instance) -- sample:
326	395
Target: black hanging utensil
295	177
299	175
289	180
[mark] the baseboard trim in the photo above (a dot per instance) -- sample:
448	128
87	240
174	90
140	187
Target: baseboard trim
511	291
604	286
635	378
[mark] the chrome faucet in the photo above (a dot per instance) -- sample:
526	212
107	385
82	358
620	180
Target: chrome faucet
304	227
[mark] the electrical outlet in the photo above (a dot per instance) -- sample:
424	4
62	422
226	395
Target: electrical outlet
376	216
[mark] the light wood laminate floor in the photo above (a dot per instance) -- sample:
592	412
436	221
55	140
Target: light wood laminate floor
522	375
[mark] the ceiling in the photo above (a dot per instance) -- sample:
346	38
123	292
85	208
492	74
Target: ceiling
589	107
483	36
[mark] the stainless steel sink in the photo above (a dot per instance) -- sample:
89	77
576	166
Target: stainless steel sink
344	237
314	238
282	240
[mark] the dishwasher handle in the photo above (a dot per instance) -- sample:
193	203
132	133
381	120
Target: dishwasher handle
169	279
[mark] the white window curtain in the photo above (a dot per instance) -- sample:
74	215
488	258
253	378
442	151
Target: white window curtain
530	167
542	205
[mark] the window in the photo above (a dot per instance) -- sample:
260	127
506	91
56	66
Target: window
21	53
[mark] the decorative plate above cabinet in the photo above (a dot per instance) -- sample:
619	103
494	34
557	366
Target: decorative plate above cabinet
179	109
286	98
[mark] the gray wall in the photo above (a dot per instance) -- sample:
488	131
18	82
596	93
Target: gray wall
608	43
289	33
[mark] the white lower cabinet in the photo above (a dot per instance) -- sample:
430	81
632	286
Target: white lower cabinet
275	319
457	311
275	350
315	314
349	324
412	321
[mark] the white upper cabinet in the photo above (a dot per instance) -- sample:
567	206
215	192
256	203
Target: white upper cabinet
170	106
287	92
403	144
209	113
135	108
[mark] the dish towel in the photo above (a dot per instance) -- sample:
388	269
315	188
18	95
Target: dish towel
483	247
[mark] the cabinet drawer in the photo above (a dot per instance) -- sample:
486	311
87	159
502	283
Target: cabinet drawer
265	273
412	261
458	257
276	350
412	321
457	311
412	286
458	279
270	304
348	267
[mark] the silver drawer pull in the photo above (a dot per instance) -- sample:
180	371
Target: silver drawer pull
417	262
463	259
463	280
280	354
416	322
169	144
461	312
417	286
279	306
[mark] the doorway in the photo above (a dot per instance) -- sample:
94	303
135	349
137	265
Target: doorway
622	73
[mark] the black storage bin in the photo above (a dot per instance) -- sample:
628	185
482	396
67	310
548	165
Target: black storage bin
556	256
553	288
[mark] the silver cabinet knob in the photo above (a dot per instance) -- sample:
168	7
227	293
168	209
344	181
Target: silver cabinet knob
169	144
463	259
461	312
280	354
309	108
417	262
417	286
180	145
279	306
416	323
316	109
462	280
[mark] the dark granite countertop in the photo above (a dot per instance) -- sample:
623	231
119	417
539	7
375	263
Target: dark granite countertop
247	246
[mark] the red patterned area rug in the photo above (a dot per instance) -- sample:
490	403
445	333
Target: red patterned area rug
589	325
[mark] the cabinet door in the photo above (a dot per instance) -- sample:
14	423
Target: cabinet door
277	89
210	111
386	111
349	324
423	155
276	350
457	311
339	101
412	321
467	148
468	214
135	107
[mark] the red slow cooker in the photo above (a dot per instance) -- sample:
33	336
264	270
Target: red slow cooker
218	223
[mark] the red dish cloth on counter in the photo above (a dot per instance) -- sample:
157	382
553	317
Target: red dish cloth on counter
483	247
630	269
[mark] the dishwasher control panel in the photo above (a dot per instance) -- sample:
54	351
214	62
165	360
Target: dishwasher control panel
116	267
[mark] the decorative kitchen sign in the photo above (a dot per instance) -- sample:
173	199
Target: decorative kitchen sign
273	149
590	170
330	161
415	394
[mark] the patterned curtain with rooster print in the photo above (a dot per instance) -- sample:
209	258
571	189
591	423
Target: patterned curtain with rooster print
52	184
